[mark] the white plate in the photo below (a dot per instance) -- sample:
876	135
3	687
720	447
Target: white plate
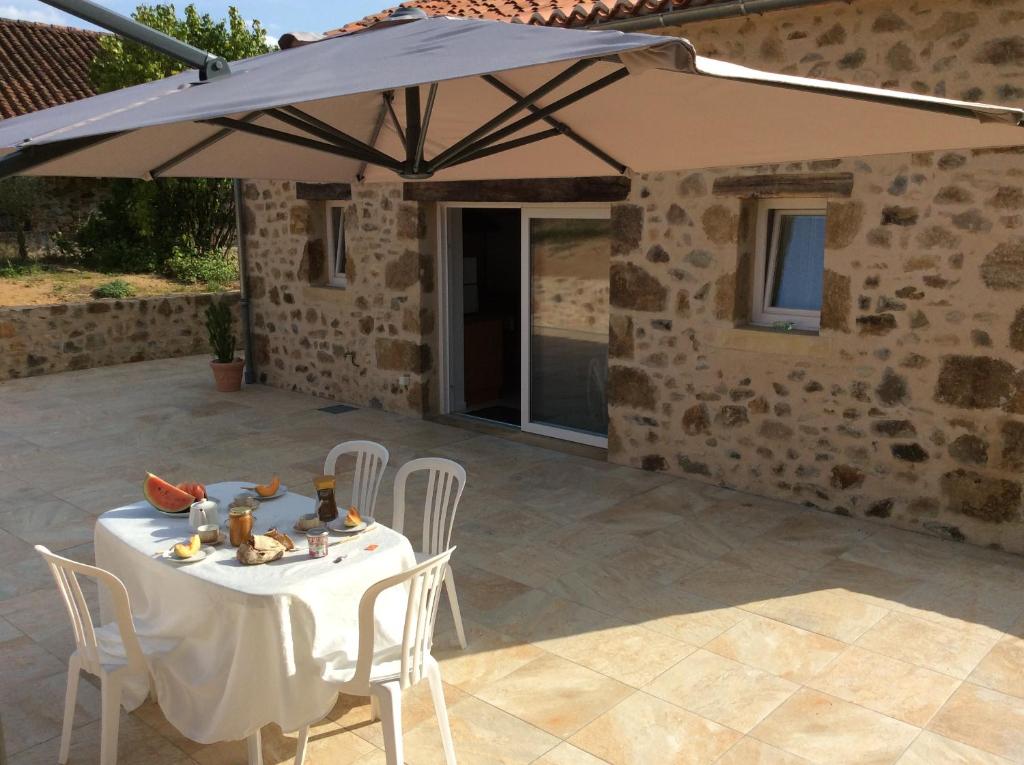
281	491
338	526
201	555
183	514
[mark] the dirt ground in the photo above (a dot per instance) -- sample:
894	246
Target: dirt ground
68	285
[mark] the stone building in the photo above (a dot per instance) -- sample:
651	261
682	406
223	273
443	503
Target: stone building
43	65
847	334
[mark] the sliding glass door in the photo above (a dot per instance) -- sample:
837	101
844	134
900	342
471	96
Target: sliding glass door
566	254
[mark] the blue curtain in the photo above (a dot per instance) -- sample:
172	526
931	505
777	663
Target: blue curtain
800	264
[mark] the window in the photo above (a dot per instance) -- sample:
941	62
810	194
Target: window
336	244
790	263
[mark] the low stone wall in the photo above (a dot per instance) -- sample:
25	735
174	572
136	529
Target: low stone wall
39	340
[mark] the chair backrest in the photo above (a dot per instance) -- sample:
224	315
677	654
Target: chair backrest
371	460
445	482
65	574
424	584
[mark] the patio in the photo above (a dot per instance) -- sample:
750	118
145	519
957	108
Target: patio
613	615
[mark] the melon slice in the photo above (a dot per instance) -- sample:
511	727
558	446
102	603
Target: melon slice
166	497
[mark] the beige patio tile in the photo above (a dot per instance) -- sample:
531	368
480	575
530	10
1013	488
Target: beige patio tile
137	745
353	713
329	744
986	719
932	749
982	609
1003	668
643	729
629	653
734	585
555	695
782	650
750	751
834	613
533	564
483	735
489	657
51	522
894	688
684	616
871	583
830	731
722	690
22	660
33	712
926	644
567	754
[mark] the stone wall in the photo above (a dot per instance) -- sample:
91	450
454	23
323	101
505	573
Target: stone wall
908	406
62	205
369	343
37	340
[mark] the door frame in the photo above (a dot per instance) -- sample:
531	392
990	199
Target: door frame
590	212
450	335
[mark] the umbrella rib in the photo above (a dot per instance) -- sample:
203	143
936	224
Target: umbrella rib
413	126
431	98
32	156
296	140
567	131
198	148
389	99
515	143
382	115
523	102
537	116
319	129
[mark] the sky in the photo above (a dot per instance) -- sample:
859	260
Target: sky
278	16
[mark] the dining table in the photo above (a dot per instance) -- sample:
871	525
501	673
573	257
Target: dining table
245	646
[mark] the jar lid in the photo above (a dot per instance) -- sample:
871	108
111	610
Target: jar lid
324	482
240	511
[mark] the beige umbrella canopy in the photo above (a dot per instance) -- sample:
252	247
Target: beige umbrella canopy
458	99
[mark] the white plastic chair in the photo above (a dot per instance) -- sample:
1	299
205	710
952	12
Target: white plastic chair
91	654
382	673
445	484
371	460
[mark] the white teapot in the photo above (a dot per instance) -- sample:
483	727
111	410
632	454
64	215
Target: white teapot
205	512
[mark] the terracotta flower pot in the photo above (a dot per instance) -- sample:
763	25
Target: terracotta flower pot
228	377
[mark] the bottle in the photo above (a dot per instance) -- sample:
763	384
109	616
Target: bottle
326	506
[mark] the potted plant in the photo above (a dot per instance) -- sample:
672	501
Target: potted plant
227	370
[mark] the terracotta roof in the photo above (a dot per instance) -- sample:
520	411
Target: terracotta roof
552	13
43	65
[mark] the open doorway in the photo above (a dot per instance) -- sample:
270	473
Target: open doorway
491	299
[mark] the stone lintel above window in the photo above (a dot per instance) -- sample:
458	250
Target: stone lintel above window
323	192
785	185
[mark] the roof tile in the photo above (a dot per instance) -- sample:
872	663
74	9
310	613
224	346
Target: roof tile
42	65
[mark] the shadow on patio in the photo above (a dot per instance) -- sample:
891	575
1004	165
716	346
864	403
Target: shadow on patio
613	615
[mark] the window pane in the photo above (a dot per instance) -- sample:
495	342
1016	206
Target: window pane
800	262
338	233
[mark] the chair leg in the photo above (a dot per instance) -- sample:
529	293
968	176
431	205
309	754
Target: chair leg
390	697
441	710
70	698
374	709
453	601
300	747
110	720
255	745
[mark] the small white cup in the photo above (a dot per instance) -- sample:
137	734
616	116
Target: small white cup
208	533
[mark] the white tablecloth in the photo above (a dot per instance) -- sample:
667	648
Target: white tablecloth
253	642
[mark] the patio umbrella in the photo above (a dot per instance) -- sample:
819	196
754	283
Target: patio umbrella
455	99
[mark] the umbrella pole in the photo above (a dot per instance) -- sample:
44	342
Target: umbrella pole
209	65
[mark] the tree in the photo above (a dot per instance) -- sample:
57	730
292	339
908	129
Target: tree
142	226
19	197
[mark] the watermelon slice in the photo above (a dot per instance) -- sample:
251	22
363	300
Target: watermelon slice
166	497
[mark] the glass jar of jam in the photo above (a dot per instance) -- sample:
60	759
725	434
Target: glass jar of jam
239	525
326	505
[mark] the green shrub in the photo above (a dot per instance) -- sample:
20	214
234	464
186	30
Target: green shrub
216	269
10	269
118	289
220	326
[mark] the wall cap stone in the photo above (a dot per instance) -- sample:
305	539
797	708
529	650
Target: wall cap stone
764	340
785	185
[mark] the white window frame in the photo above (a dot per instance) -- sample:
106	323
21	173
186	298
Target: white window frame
766	261
334	277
